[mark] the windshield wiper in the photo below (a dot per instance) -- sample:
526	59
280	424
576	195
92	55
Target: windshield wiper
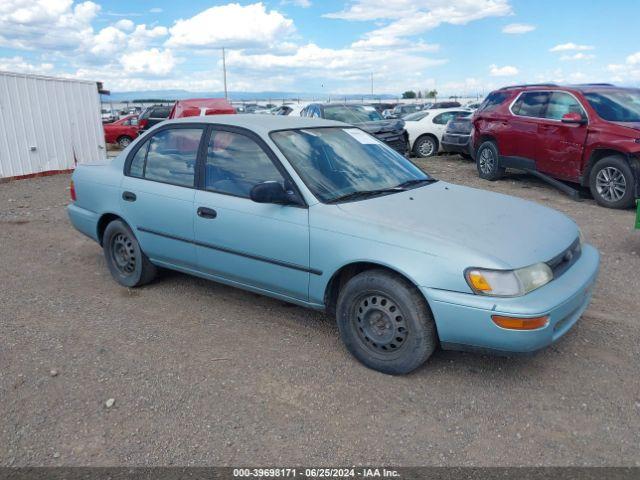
366	194
415	182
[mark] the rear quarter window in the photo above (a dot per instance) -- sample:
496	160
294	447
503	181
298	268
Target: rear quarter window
493	101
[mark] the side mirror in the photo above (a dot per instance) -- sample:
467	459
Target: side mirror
270	192
573	117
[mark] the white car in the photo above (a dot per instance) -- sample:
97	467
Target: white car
425	129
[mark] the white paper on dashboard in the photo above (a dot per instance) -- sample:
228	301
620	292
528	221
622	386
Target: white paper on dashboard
361	136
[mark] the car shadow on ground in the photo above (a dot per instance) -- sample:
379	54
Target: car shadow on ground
325	331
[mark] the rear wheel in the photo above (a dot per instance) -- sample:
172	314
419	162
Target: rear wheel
124	141
612	183
385	322
426	146
487	162
128	265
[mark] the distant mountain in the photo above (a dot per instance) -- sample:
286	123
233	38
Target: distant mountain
236	96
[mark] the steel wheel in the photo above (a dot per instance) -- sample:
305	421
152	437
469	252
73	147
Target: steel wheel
124	142
123	254
426	147
611	184
487	161
380	324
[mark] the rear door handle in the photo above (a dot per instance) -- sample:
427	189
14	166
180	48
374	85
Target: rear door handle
129	196
205	212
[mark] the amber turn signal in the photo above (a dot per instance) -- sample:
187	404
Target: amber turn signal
514	323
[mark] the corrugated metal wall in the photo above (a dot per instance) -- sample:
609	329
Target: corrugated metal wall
48	124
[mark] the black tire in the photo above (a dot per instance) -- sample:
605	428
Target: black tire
612	183
124	141
385	322
128	264
487	162
425	146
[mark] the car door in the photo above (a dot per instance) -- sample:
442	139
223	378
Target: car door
265	246
560	145
522	133
157	193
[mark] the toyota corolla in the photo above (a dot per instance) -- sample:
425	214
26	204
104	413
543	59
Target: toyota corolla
321	214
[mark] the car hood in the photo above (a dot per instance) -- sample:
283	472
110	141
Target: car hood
381	126
507	231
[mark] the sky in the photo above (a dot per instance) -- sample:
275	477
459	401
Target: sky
464	47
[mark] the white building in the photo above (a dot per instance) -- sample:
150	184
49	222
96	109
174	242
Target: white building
48	124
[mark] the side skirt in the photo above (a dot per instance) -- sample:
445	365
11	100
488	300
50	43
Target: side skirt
232	283
529	166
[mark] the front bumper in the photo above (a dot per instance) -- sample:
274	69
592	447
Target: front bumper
464	320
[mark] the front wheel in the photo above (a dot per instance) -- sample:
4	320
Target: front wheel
385	322
612	183
128	264
487	162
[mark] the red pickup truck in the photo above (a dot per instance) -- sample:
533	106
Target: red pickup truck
122	131
588	135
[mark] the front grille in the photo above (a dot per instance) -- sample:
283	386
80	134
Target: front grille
562	262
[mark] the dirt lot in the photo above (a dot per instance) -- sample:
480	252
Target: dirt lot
205	374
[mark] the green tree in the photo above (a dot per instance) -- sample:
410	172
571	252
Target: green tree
432	94
409	94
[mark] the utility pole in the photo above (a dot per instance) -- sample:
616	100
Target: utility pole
224	72
372	84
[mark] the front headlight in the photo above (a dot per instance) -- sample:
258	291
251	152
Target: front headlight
508	283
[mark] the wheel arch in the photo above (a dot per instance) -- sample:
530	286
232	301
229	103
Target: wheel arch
346	272
598	154
105	220
485	137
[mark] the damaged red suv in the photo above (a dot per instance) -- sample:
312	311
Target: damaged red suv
588	135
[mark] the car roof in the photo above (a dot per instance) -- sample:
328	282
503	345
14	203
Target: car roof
582	87
262	124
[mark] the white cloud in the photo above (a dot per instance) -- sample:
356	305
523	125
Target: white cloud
20	65
155	10
578	56
518	28
506	71
296	3
153	61
45	24
567	47
408	18
628	71
634	58
124	24
232	26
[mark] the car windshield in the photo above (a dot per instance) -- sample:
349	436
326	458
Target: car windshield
346	163
351	114
416	116
616	105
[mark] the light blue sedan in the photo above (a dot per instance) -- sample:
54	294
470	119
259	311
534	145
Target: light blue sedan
321	214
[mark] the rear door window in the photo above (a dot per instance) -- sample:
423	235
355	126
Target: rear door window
168	157
562	103
444	118
531	104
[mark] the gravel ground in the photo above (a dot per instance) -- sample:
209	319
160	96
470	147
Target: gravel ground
202	374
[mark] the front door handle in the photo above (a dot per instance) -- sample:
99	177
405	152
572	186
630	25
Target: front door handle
129	196
205	212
